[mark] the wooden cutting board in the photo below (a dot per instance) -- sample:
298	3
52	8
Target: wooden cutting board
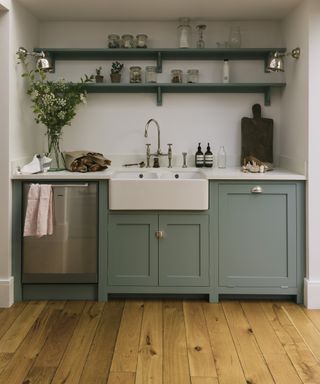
257	136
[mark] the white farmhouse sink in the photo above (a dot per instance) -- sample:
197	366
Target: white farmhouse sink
158	190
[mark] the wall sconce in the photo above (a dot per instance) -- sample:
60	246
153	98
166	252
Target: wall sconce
276	63
44	61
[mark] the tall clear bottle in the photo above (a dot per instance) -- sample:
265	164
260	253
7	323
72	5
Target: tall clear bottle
222	158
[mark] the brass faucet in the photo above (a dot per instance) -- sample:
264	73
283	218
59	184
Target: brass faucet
159	152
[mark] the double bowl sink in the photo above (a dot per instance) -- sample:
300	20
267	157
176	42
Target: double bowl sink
158	190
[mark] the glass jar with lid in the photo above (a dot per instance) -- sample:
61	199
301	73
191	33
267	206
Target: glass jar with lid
184	34
176	76
135	74
151	74
127	41
141	40
193	76
114	41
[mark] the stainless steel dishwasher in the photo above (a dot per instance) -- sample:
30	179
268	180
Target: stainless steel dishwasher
69	255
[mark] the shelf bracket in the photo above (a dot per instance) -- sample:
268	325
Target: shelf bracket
159	96
267	96
266	62
159	62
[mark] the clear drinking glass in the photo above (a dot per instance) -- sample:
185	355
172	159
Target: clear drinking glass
235	37
184	33
151	74
127	41
135	74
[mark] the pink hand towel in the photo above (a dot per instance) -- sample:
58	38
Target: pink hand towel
39	214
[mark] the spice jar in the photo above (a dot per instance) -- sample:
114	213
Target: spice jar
151	74
114	41
176	76
192	76
127	41
141	41
135	75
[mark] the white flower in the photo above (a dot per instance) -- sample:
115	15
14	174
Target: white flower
83	98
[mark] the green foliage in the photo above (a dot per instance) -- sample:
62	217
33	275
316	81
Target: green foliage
98	71
54	103
116	67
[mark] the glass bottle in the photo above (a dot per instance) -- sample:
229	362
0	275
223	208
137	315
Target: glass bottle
127	41
235	37
151	74
199	158
184	35
114	41
176	76
141	40
222	158
192	76
200	28
135	74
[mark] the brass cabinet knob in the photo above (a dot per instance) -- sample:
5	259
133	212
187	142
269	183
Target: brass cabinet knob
160	235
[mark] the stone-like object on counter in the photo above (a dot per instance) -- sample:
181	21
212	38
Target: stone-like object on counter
254	165
257	137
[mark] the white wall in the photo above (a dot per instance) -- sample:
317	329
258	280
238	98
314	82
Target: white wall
23	130
294	104
312	282
17	27
5	233
114	124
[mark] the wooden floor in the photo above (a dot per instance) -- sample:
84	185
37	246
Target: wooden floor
169	342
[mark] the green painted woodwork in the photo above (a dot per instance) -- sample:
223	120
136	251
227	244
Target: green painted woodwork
132	250
16	238
102	239
137	258
258	239
184	251
161	54
160	88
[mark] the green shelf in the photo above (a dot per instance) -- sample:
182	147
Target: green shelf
159	54
160	88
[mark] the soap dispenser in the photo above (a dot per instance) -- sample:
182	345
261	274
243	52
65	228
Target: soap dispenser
199	158
208	158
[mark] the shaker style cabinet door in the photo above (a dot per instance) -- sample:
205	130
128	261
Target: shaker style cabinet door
133	250
184	250
257	235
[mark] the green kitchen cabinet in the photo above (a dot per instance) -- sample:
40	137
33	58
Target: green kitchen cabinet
133	250
259	237
164	250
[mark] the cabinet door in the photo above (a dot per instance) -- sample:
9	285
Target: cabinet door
184	250
257	235
133	250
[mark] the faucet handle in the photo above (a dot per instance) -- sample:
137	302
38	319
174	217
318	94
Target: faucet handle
170	155
169	147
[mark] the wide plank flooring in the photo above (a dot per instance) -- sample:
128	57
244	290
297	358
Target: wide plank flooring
159	342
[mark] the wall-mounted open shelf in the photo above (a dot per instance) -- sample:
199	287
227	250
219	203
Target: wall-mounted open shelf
160	54
159	88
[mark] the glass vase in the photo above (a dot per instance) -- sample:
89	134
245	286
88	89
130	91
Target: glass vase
54	152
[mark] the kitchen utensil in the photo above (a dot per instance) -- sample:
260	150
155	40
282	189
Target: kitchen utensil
140	165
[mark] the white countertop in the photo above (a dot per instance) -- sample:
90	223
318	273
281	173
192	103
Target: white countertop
230	173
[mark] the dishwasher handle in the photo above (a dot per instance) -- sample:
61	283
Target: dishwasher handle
85	185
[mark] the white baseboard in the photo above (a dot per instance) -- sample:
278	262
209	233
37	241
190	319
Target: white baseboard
312	294
6	292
